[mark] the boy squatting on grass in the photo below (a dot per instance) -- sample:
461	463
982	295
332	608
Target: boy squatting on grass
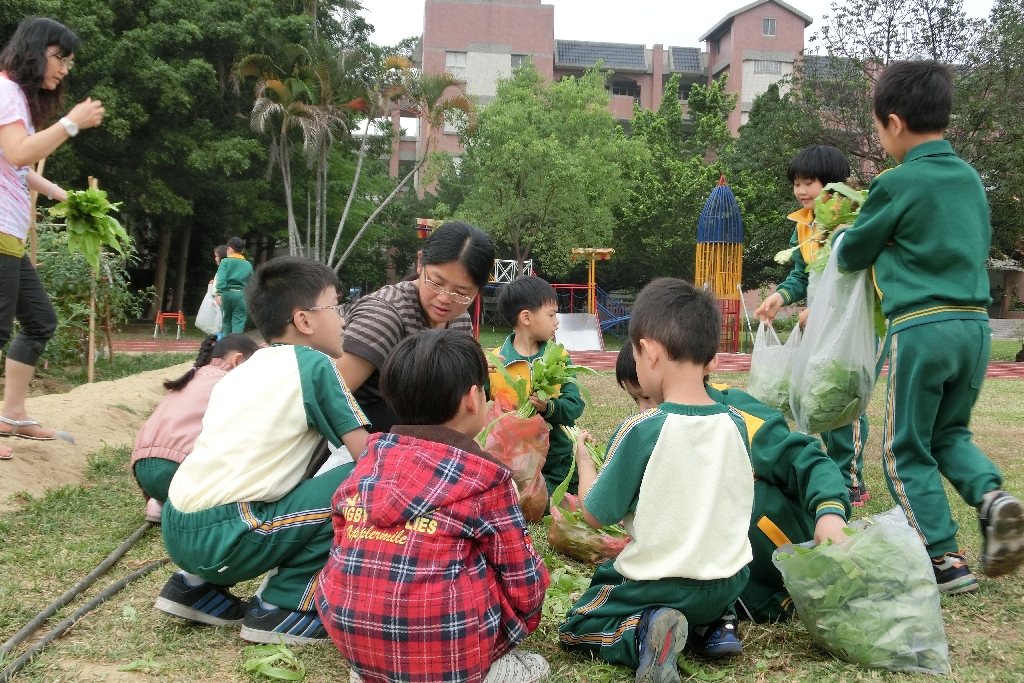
809	172
239	506
795	486
530	305
432	577
679	477
924	230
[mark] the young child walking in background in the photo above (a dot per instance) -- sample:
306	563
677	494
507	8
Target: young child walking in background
170	433
924	230
233	272
530	306
432	576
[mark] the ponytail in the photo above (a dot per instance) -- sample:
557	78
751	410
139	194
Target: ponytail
213	348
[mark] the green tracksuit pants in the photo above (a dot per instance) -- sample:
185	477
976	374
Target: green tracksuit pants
935	375
154	476
846	448
240	541
605	619
233	311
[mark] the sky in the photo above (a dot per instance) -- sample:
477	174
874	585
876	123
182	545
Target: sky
648	21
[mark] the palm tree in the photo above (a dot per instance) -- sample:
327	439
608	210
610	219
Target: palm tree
424	94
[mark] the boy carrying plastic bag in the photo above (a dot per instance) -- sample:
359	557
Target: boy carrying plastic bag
872	599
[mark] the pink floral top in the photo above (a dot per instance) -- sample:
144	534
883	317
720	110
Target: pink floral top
14	196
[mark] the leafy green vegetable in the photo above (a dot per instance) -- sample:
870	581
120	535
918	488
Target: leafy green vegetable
90	226
139	664
276	662
837	397
565	589
547	374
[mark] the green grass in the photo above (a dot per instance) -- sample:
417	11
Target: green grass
1005	349
493	337
125	364
55	540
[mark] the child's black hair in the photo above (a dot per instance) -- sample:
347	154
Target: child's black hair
428	373
461	243
919	92
282	286
625	367
526	293
214	348
685	320
237	244
824	163
221	251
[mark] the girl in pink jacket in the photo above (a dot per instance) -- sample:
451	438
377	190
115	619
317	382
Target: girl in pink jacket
169	434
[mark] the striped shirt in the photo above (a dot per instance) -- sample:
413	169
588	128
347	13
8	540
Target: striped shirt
378	321
14	198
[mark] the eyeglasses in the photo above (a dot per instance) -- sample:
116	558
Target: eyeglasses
438	289
66	62
337	308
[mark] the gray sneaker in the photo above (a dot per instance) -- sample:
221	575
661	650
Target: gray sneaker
1001	517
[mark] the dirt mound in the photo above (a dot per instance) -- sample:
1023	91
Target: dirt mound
104	413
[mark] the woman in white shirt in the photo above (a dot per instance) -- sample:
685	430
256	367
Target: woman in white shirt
33	66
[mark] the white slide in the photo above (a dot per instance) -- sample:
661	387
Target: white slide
579	332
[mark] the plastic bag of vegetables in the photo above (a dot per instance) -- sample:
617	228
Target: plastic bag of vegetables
834	365
521	444
870	600
770	366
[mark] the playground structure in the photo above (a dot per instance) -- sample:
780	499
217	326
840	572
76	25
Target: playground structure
720	259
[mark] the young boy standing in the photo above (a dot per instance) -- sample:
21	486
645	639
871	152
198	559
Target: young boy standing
233	273
530	305
432	576
679	478
809	172
239	506
925	232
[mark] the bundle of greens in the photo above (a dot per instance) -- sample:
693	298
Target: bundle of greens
837	397
564	590
872	599
89	225
547	375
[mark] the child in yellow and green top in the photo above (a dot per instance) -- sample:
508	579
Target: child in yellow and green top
530	305
924	231
232	275
809	172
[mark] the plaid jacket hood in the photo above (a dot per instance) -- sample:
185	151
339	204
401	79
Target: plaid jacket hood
432	576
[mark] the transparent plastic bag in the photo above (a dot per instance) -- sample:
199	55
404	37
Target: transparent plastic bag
522	445
771	365
834	366
209	317
569	534
872	599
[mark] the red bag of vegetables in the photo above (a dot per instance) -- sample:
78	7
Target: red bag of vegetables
521	444
568	533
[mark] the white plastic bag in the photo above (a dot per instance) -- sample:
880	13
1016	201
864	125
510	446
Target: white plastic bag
834	369
209	317
872	599
771	365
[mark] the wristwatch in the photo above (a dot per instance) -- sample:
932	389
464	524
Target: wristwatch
70	126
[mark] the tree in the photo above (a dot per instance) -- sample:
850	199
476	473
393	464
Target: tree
543	166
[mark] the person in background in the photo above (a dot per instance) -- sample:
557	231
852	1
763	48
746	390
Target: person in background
33	66
233	273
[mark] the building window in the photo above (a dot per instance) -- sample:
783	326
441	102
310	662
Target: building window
517	60
626	89
684	91
765	67
768	27
455	64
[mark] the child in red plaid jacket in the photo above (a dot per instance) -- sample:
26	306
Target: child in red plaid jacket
432	577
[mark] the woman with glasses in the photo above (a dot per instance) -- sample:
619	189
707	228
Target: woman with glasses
33	66
453	267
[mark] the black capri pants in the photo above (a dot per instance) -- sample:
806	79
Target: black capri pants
22	296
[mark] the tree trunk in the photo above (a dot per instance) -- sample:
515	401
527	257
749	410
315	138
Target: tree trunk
179	277
286	175
376	211
351	192
160	277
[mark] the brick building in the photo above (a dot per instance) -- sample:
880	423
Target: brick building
480	41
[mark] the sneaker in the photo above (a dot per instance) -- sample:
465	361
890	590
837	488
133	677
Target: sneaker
265	624
856	497
518	666
662	634
719	639
1001	517
153	508
952	574
206	603
865	495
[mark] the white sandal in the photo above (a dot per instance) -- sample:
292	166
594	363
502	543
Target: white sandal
18	424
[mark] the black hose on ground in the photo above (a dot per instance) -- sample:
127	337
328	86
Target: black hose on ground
51	609
18	664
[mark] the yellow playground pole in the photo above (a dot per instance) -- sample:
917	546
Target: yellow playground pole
593	256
